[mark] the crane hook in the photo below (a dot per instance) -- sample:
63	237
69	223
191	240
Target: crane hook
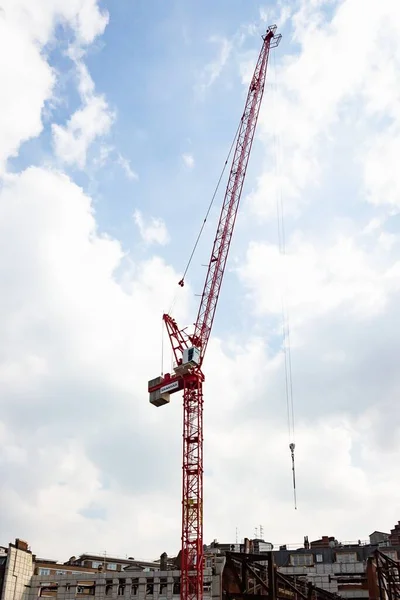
292	446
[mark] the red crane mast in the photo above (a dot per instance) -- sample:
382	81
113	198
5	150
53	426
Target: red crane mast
189	350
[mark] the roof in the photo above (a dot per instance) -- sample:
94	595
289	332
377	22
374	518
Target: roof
142	563
105	558
47	561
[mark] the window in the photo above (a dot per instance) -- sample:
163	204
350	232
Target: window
96	564
319	558
48	591
88	589
390	554
112	566
44	571
61	572
346	557
207	587
301	560
121	587
163	587
109	587
177	586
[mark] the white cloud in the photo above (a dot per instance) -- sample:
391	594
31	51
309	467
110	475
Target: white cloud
24	31
82	453
318	102
110	154
20	113
93	120
83	16
380	168
188	160
319	279
154	232
59	346
213	69
72	142
126	167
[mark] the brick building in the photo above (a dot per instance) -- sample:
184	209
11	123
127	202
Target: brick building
394	536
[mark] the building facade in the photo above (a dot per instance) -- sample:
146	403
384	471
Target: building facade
28	578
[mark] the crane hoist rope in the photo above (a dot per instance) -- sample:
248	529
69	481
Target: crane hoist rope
181	282
280	212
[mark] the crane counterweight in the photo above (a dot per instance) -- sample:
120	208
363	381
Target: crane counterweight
189	350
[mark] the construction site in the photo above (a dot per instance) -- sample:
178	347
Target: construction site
324	569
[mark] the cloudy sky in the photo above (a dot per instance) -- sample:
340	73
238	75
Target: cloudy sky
115	121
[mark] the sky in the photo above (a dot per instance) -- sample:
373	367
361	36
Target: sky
115	122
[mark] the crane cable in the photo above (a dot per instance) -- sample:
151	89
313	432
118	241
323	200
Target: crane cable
181	283
285	312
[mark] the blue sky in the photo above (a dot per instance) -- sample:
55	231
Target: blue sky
152	75
114	129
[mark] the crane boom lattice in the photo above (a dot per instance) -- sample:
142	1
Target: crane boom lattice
219	254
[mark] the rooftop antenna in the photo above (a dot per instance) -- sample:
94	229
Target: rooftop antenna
236	535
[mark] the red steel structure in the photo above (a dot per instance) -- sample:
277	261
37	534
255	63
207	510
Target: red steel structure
189	350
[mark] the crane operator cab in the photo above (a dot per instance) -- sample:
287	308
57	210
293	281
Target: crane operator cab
190	358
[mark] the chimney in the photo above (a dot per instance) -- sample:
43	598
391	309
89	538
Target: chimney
164	562
21	545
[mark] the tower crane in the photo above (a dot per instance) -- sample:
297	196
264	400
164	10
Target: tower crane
189	349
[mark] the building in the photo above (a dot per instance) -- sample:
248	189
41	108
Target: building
220	548
256	546
3	562
324	542
259	546
378	538
394	536
90	563
338	568
105	562
17	571
324	569
26	577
